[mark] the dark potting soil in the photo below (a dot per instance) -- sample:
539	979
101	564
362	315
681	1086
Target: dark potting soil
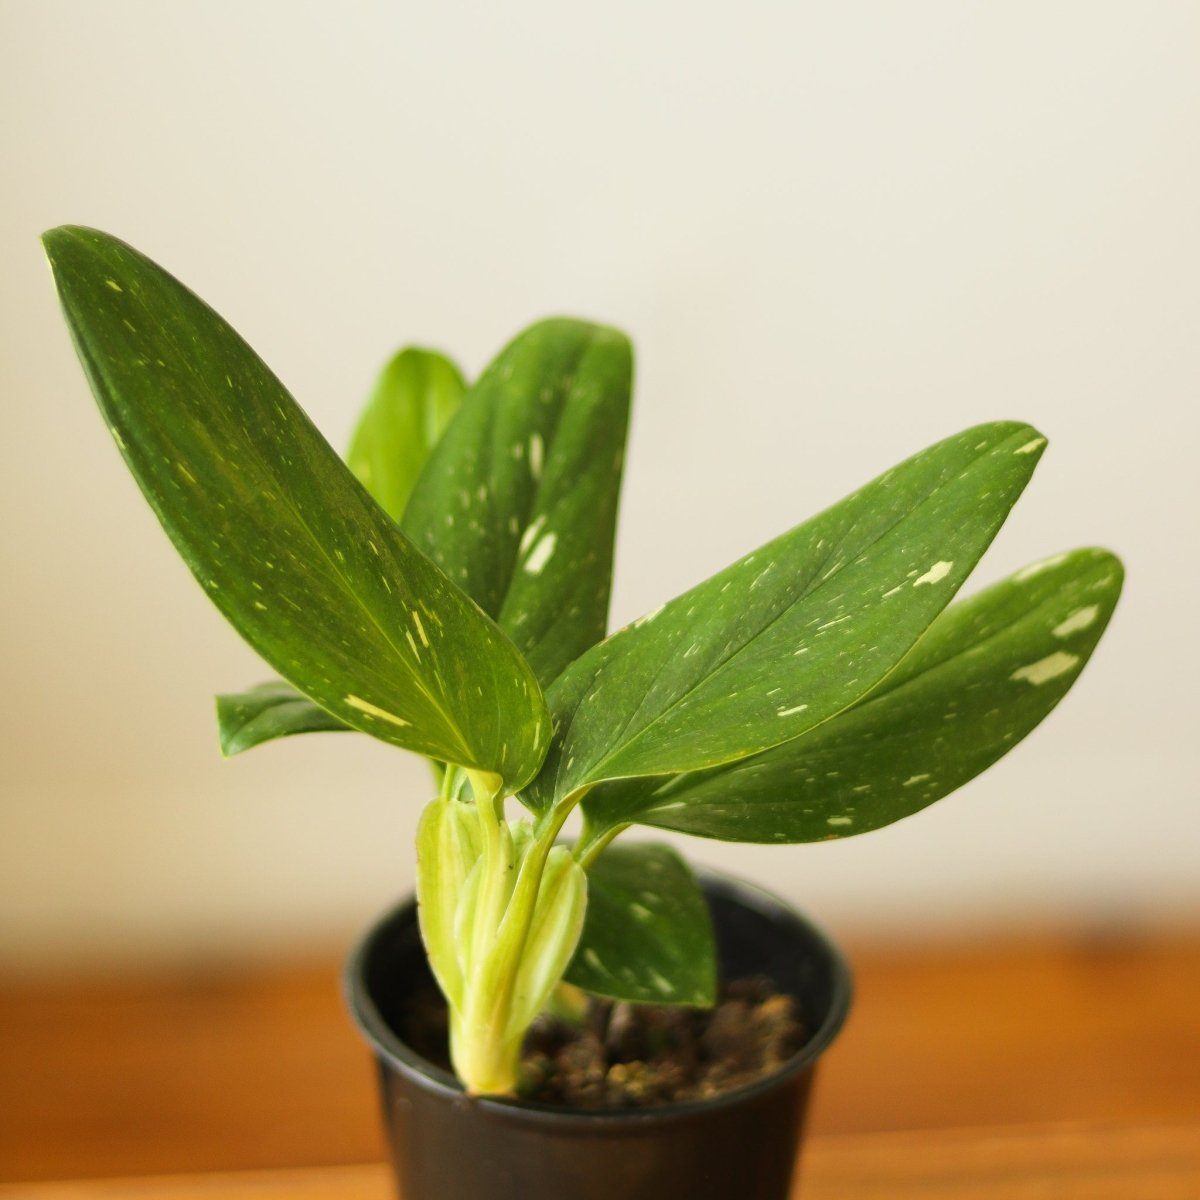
635	1056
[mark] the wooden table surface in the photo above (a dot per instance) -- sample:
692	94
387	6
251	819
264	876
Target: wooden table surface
1077	1058
1078	1162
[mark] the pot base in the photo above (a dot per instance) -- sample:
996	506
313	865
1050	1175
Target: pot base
447	1146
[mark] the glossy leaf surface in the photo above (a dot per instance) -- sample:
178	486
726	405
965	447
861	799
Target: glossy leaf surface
518	502
647	935
413	400
988	671
266	712
288	545
795	632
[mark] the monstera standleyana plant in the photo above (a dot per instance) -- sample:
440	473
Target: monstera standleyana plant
445	589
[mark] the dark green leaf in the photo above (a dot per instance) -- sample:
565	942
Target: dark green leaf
415	397
647	936
792	634
266	712
518	502
988	671
286	542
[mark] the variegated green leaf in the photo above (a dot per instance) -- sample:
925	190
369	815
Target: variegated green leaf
412	403
266	712
647	936
286	542
413	400
988	671
518	502
792	634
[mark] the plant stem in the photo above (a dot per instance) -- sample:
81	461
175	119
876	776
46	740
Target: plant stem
485	1048
591	845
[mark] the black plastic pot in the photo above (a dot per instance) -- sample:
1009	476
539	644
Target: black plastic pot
740	1146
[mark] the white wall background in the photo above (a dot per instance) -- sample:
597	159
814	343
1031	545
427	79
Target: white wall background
836	232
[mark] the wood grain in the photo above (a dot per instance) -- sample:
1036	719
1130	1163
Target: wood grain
1098	1162
254	1069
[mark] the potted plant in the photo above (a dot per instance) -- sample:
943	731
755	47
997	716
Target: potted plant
446	590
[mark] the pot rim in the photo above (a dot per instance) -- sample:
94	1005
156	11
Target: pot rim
397	1054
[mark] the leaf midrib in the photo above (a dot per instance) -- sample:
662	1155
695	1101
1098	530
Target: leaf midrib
285	492
600	766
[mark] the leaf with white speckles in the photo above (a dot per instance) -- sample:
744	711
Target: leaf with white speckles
958	702
647	936
266	712
792	634
518	503
410	405
285	541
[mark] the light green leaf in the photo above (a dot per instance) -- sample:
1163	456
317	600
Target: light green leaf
647	936
518	502
792	634
553	934
448	849
988	671
266	712
290	547
415	397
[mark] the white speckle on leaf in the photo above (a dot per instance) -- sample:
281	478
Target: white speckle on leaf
373	710
787	712
1038	567
416	616
412	644
662	984
762	575
914	779
1030	447
530	534
1080	619
539	556
648	617
935	574
116	287
593	959
117	436
1045	669
640	912
535	455
839	820
835	621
